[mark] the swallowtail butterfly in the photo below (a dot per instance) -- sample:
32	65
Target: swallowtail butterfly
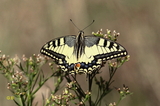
82	54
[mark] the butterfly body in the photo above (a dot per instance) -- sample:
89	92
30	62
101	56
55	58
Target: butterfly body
82	54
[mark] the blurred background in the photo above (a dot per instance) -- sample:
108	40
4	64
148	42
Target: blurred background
25	25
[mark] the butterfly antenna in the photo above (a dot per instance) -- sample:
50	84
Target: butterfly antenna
88	25
83	28
74	24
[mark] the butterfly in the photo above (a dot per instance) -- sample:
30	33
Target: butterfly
82	54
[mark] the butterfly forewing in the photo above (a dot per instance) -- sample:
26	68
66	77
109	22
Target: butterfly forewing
59	48
103	48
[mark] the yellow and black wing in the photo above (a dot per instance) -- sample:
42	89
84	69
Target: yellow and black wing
95	51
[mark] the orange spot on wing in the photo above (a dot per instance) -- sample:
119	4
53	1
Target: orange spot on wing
78	65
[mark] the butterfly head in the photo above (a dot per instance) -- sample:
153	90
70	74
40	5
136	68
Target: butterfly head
81	32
